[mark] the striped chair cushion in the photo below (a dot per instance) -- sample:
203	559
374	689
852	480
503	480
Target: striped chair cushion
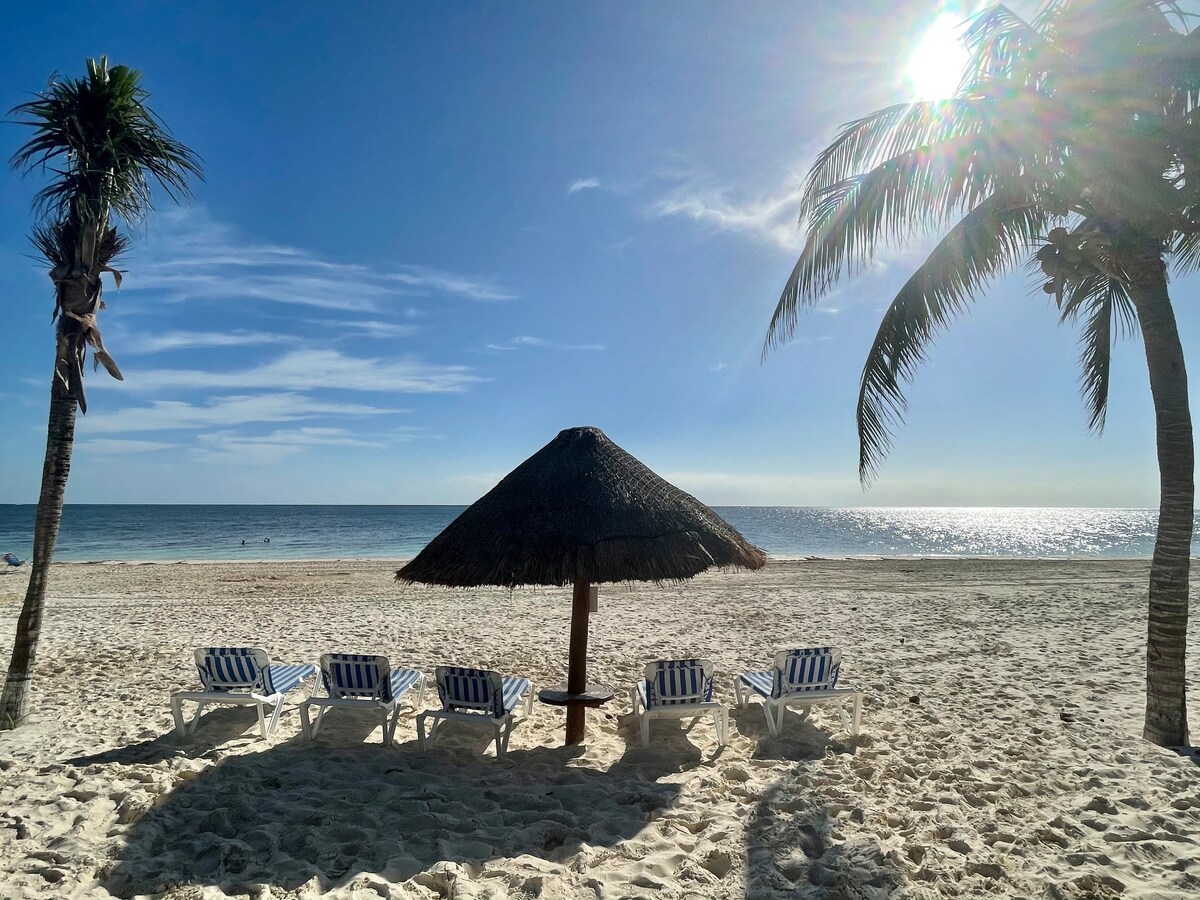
357	676
464	689
231	668
677	682
806	669
403	679
281	679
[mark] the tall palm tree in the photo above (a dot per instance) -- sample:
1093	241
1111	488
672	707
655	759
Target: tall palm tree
1073	143
105	149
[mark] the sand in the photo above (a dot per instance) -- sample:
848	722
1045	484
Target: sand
1000	756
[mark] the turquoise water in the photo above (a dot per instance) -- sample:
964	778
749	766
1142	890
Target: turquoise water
328	532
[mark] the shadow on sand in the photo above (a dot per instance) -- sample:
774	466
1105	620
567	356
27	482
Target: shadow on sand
793	850
297	813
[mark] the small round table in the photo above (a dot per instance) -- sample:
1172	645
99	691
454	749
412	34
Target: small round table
593	695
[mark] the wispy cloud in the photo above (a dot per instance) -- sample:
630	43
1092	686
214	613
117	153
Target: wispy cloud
119	447
276	445
187	340
371	328
582	184
224	412
188	257
449	283
519	343
770	218
306	370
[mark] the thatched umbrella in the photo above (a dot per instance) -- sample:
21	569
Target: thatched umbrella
580	511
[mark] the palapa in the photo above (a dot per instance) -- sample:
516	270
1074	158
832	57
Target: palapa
580	511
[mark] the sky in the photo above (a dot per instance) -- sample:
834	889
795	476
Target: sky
431	236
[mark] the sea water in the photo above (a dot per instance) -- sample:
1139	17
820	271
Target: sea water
164	532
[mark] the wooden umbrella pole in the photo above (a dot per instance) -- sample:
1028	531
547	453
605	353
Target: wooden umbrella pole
577	664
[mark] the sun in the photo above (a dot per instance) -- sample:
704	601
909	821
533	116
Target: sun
936	66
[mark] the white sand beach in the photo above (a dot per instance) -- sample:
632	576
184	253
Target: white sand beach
1000	756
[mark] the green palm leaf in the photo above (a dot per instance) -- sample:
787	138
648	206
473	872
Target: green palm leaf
988	241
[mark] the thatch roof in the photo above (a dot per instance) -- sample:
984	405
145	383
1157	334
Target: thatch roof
580	509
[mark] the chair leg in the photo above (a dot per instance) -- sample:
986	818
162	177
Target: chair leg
645	729
260	708
305	725
177	715
739	693
857	715
389	737
275	714
196	718
421	732
772	729
501	741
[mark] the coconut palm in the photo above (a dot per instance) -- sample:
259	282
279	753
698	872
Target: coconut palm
105	150
1073	144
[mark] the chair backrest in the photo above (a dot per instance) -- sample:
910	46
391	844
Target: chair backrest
806	669
461	688
677	682
357	676
11	559
232	668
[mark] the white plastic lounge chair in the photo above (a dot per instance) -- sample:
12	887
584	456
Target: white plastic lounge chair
357	681
481	699
800	678
239	676
679	689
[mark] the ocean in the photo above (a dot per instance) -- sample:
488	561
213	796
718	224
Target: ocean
163	532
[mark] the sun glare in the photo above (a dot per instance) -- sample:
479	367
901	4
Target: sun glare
936	66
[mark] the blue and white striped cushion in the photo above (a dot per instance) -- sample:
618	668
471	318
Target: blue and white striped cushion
677	682
465	689
762	683
515	688
350	676
231	668
403	679
807	669
283	678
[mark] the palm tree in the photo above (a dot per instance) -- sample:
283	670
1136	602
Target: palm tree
1073	142
105	149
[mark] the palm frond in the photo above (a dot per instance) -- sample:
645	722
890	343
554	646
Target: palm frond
1099	300
58	242
108	148
988	240
917	191
866	142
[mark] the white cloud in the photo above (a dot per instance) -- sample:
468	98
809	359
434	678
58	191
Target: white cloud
718	367
276	445
449	283
583	184
187	257
770	218
119	447
165	415
186	340
370	328
305	370
518	343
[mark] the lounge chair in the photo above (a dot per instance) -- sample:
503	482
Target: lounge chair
360	681
800	678
678	689
11	561
239	676
481	699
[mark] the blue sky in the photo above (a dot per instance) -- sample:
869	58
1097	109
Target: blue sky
433	235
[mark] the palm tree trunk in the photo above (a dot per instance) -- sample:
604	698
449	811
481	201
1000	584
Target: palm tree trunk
60	439
1166	697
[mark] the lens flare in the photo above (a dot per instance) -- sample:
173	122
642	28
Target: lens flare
936	66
